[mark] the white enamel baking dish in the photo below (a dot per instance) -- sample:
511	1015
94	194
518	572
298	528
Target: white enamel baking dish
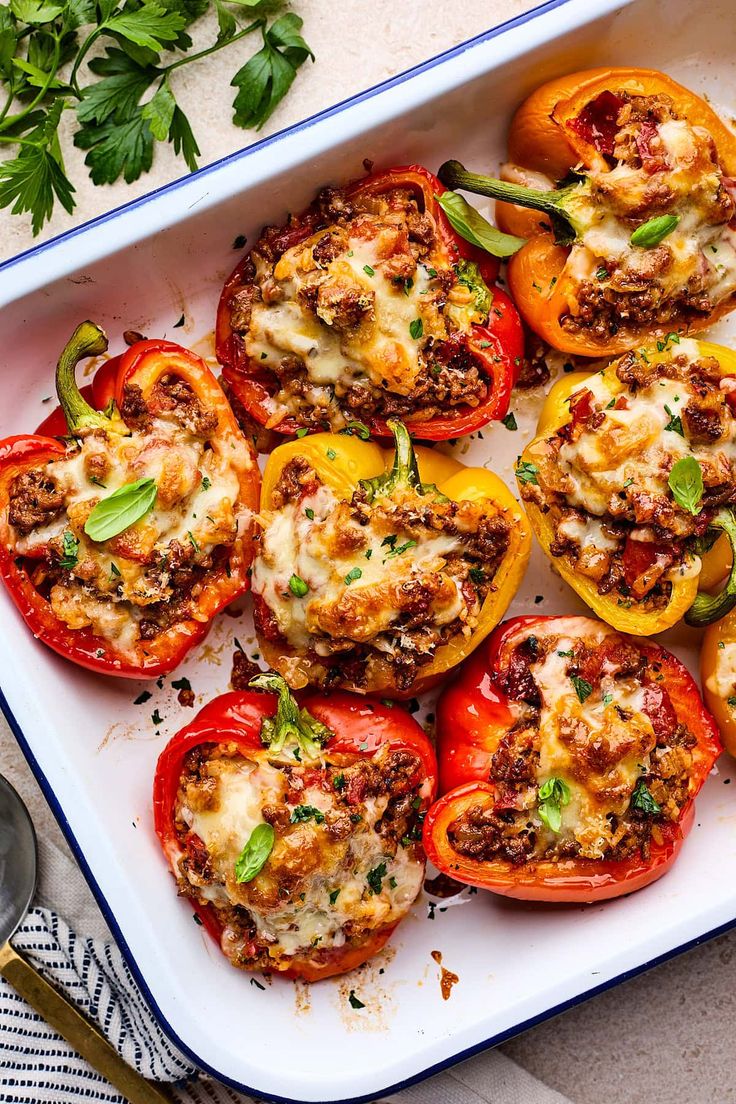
93	750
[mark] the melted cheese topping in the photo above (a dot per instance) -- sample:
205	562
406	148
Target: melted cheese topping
701	245
316	867
636	447
381	348
324	550
197	505
569	728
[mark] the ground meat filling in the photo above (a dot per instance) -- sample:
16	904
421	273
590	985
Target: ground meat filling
658	165
603	479
378	314
346	861
399	576
623	754
134	586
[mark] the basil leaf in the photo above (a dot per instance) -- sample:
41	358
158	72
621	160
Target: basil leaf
686	484
553	794
653	232
477	230
122	508
253	857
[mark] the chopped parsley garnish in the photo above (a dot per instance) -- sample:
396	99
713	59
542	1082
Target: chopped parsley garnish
601	273
298	587
352	575
477	575
354	1002
357	429
334	895
642	800
114	569
206	482
510	422
375	878
416	328
70	547
309	512
331	454
675	422
182	683
583	689
398	550
607	699
339	782
368	270
143	697
302	432
526	472
192	540
306	812
156	717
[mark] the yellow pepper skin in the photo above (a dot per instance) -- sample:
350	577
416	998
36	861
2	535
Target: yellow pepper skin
715	564
718	676
340	462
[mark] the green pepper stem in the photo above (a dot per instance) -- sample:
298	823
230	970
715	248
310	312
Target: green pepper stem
454	175
404	469
290	724
87	340
708	608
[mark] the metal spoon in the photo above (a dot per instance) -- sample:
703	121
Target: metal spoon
18	866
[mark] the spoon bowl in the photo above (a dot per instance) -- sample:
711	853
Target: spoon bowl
18	860
18	873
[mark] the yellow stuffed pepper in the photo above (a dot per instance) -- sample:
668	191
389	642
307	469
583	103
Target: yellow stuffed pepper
630	481
718	676
379	572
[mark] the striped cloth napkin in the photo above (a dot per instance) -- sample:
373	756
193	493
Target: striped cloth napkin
78	955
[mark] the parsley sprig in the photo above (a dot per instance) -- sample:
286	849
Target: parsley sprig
112	63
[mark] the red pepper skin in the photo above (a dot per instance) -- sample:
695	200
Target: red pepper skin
497	347
473	713
144	363
361	728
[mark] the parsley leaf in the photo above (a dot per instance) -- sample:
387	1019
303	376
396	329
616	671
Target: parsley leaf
583	689
642	800
265	79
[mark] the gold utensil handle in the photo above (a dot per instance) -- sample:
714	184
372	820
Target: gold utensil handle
86	1039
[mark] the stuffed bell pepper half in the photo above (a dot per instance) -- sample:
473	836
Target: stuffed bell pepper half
380	572
368	306
121	539
569	756
622	184
630	485
295	829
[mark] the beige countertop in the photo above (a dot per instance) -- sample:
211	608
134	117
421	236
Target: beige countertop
667	1037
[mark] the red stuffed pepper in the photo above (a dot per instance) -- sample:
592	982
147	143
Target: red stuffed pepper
571	755
296	830
365	307
120	542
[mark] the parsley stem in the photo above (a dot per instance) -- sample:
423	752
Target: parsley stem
11	120
213	48
86	341
83	50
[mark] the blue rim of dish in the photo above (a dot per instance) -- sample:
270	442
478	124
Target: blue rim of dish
43	782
